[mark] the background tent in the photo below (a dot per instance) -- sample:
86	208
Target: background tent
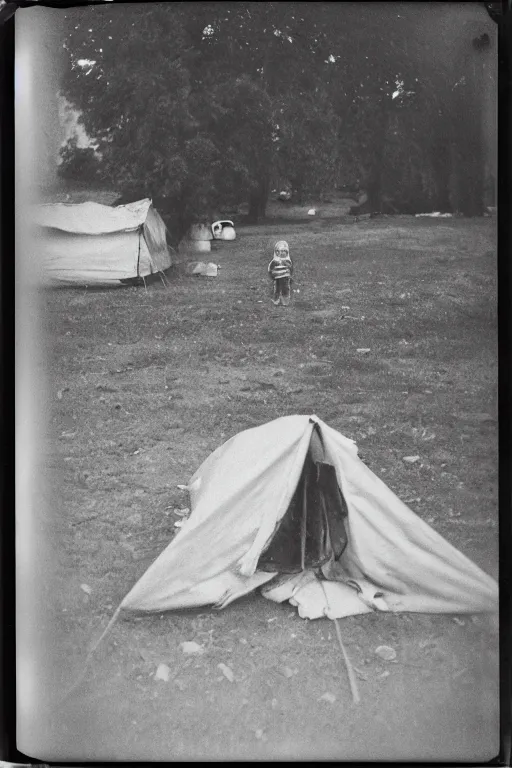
89	243
292	497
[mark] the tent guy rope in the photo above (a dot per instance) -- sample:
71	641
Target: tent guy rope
350	670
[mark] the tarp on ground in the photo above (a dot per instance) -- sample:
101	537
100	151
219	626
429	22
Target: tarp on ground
242	492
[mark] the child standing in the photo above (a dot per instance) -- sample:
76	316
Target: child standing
280	269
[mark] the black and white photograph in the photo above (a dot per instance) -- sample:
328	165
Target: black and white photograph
257	382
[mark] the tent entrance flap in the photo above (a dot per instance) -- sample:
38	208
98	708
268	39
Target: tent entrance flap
312	531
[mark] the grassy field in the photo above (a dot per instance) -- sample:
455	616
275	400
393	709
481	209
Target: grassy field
145	383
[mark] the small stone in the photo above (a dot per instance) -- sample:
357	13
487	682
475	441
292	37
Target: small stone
386	652
363	350
411	459
227	672
330	698
162	673
191	648
86	588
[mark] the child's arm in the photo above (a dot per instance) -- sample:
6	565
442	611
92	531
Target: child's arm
270	266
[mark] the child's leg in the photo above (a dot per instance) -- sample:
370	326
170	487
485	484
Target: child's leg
285	291
276	292
282	286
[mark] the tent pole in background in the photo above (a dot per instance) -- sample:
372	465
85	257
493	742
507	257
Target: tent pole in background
138	254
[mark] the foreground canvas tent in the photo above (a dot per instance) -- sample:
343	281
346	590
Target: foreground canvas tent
289	505
90	244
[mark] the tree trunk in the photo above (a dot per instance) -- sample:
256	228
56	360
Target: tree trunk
258	198
471	134
472	171
254	208
441	164
374	183
265	191
298	191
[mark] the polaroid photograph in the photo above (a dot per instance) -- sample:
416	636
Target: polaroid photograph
257	382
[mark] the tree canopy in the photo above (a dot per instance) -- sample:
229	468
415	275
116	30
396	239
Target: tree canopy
206	103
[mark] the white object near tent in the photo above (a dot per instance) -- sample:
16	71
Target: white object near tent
194	246
89	243
202	268
197	240
223	230
379	554
199	232
434	215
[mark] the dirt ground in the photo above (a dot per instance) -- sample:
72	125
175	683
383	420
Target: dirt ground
145	383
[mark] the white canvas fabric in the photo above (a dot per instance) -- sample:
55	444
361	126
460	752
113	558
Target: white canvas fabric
155	237
92	218
89	243
393	560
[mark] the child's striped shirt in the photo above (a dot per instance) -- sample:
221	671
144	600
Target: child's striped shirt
280	267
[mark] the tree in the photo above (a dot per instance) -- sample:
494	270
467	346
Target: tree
306	146
274	45
162	130
79	163
197	103
239	59
416	76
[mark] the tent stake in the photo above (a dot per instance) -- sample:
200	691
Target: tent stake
164	279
